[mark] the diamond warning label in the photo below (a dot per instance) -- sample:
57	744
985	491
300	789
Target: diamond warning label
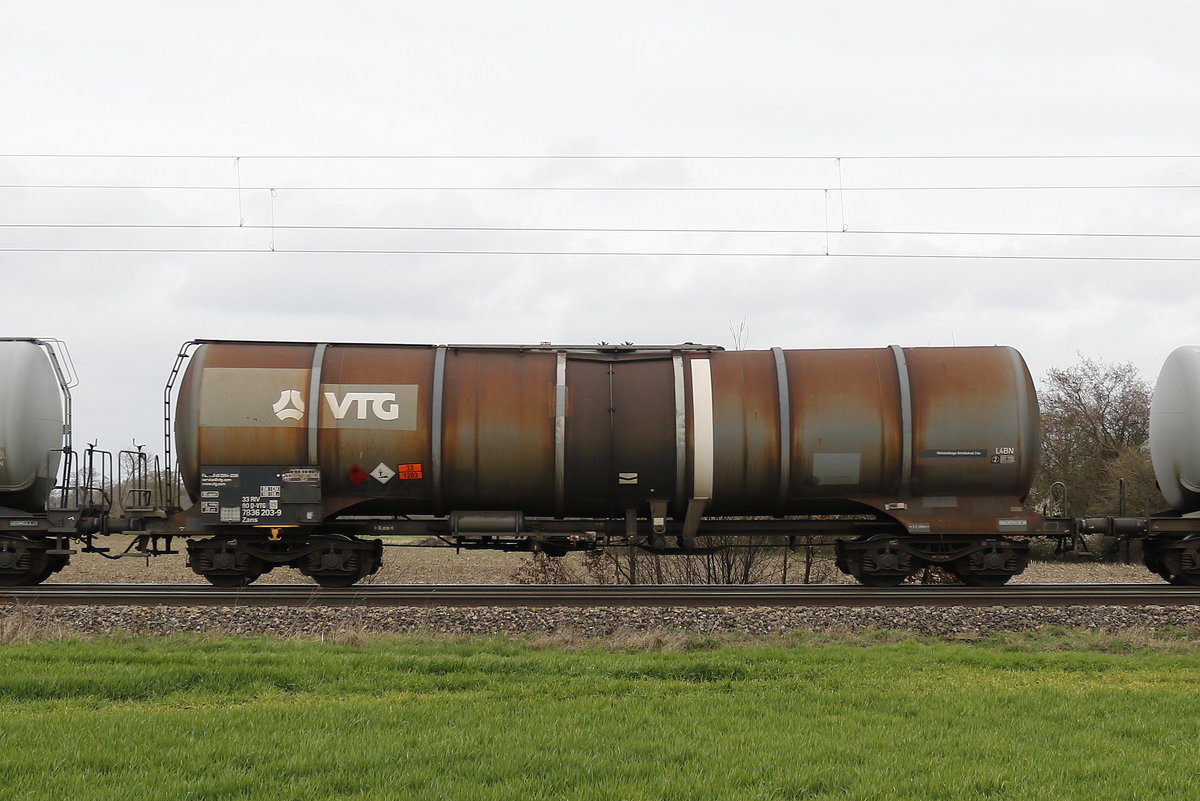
382	473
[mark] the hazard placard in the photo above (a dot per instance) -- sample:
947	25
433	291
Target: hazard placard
382	473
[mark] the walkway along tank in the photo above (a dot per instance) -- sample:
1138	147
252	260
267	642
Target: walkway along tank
297	453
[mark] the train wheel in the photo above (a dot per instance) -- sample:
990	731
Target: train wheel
881	580
222	565
1178	562
244	579
340	561
1152	557
231	579
54	563
24	579
984	580
227	581
1164	574
992	567
334	581
22	564
876	561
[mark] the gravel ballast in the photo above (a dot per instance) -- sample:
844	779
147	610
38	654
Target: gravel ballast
950	622
415	566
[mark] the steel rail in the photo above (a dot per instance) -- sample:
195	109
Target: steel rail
576	595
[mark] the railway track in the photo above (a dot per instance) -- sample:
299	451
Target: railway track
450	595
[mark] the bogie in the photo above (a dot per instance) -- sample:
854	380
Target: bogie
330	560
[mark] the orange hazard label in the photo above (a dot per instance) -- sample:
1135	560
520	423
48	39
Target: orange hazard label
409	471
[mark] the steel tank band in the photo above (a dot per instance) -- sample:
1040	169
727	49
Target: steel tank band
785	430
680	433
702	429
560	433
314	404
906	420
435	431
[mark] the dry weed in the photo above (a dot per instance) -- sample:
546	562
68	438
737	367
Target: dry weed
20	626
350	636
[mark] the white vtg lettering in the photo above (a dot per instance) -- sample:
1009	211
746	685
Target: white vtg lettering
383	405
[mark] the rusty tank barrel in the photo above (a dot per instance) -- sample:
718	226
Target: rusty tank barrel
591	431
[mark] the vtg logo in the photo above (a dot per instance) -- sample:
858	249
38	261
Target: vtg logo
357	405
290	406
382	405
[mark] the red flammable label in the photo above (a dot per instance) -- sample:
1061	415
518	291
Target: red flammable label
357	475
407	471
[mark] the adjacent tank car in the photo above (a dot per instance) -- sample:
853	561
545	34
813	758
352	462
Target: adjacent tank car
34	447
1174	549
1175	429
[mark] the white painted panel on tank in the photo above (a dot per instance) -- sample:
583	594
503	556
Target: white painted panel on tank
31	417
236	396
1175	429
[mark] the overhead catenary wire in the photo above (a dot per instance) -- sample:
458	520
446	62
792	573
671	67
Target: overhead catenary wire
626	253
591	230
613	188
671	250
610	156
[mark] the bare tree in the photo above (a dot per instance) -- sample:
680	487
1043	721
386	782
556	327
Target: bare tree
1095	431
740	334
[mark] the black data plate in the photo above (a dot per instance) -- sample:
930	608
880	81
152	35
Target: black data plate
260	495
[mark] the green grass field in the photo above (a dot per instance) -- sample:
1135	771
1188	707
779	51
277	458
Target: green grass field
187	718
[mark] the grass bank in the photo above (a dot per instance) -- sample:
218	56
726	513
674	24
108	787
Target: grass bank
188	718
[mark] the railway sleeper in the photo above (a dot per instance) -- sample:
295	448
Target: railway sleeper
886	560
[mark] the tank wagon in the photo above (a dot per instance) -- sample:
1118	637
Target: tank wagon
46	504
304	454
33	424
1173	550
911	456
1175	429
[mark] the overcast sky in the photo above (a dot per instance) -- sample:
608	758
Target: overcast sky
750	79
